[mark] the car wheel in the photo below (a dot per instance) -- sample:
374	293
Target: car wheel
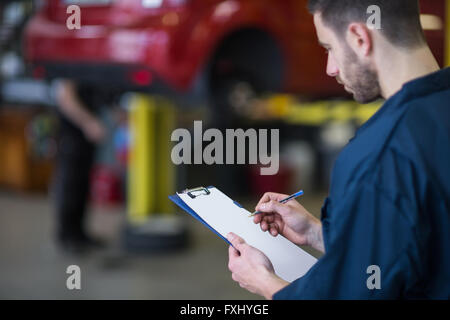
232	99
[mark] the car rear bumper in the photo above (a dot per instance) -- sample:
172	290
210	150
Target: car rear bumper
126	77
121	78
98	53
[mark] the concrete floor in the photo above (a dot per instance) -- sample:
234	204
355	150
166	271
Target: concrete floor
31	267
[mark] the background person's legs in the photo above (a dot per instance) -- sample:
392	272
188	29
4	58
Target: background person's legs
71	188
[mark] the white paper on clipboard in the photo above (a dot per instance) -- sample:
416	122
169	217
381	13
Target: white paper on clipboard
224	215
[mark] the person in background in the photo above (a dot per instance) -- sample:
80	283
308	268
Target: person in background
80	130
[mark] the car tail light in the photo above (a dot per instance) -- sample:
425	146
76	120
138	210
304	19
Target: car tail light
141	77
39	72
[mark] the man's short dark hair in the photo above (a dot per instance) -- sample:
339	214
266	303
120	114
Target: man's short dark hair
400	19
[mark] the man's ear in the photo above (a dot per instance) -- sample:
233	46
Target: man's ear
360	39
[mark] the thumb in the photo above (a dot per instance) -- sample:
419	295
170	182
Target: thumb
236	241
274	207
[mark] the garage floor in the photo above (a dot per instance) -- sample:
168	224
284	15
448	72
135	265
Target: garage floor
31	267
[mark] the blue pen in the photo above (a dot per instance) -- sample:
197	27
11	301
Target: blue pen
295	195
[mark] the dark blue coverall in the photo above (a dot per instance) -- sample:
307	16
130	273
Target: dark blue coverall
389	204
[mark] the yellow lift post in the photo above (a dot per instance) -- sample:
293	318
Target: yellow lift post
152	224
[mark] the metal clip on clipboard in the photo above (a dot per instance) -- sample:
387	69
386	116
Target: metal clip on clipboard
195	192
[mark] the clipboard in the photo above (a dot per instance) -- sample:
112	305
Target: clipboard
222	215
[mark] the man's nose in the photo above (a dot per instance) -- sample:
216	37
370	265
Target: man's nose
332	69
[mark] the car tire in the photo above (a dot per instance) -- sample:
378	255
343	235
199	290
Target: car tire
231	99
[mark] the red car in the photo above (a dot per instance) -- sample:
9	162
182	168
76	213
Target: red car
195	48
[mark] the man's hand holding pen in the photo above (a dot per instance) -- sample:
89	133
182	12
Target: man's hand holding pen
249	266
289	219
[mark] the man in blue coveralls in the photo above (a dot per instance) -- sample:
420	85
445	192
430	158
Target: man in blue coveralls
388	209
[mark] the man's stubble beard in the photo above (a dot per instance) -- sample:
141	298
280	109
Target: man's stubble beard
361	79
